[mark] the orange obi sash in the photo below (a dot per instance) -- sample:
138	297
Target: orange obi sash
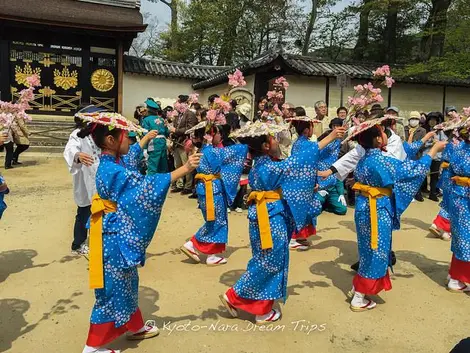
210	207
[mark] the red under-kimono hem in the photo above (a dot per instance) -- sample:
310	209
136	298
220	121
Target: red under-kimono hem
208	248
255	307
442	223
102	334
305	232
460	270
372	286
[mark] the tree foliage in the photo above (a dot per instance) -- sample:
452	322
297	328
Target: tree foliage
429	37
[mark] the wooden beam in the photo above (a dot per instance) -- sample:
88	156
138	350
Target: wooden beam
444	98
120	74
389	97
327	91
5	93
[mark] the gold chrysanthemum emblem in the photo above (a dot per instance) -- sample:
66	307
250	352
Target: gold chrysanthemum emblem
102	80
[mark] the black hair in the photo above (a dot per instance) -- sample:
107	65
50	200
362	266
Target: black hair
299	111
362	112
336	121
203	114
255	144
212	98
433	115
196	106
183	98
262	98
233	103
366	139
340	109
154	111
99	132
300	126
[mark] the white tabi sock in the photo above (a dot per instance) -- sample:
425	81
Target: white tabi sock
89	349
358	300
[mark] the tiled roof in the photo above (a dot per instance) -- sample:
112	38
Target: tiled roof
209	76
170	69
71	13
309	66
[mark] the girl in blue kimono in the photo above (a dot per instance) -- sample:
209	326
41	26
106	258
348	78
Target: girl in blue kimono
3	191
458	206
216	187
278	204
385	186
441	225
125	213
324	152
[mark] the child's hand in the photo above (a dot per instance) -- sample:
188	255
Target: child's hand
324	173
428	136
147	138
193	161
439	146
338	133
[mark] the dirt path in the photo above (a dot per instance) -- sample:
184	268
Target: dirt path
45	302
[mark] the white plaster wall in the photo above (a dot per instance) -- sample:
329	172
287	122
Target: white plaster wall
204	94
137	88
423	98
304	91
458	97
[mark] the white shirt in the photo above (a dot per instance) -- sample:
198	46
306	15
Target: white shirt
84	186
348	162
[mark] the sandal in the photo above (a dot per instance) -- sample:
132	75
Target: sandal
271	317
190	253
369	306
151	330
231	309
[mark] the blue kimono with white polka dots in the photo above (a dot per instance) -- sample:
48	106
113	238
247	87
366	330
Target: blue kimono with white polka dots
459	203
444	182
126	233
228	162
412	149
3	205
328	156
266	274
300	192
377	170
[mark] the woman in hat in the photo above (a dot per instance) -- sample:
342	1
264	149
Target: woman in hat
277	204
157	148
385	188
459	211
125	213
217	181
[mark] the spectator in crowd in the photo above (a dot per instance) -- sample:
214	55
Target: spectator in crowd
400	128
414	132
211	99
140	113
448	112
185	120
376	110
244	112
233	120
288	110
20	134
342	112
423	119
261	107
433	119
321	110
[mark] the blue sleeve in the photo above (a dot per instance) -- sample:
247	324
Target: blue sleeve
412	149
132	159
233	158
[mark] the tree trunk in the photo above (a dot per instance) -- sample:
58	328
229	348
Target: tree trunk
432	43
311	24
391	32
363	35
174	26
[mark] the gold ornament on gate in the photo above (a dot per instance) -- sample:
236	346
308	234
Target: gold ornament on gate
22	74
102	80
65	79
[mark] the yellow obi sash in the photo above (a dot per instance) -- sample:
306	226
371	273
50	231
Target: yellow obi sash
262	198
373	194
207	179
461	181
445	165
98	208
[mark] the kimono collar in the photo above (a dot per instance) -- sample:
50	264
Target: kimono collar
373	151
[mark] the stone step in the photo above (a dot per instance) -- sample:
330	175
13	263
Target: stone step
49	136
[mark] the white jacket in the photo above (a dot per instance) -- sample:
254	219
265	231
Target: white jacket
84	186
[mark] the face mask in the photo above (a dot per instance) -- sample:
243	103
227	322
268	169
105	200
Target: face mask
193	110
414	122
